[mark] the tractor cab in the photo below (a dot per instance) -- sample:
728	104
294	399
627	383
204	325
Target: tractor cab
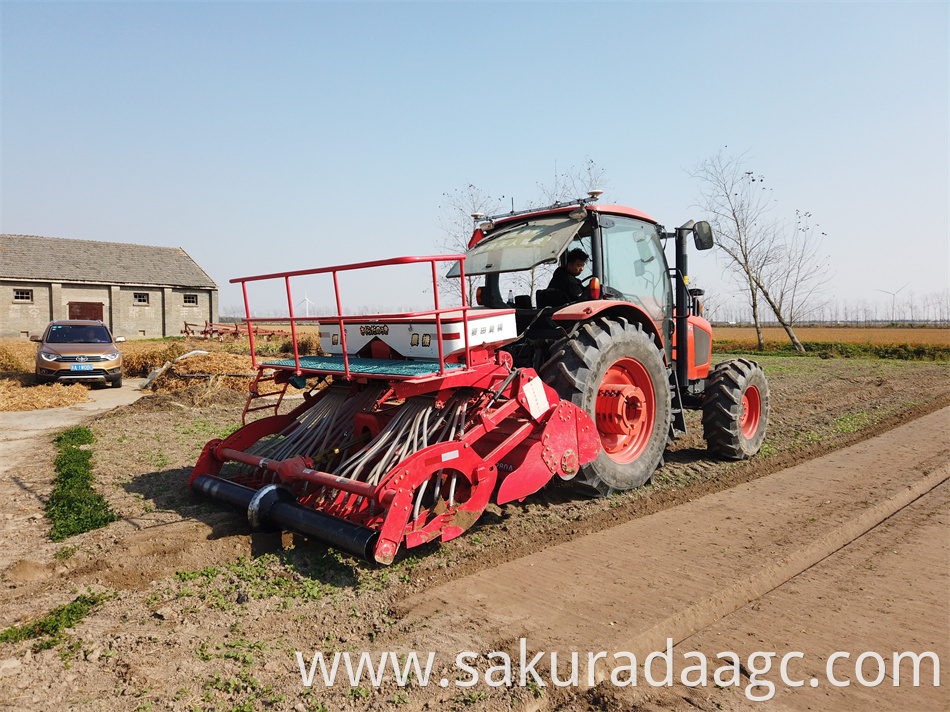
626	268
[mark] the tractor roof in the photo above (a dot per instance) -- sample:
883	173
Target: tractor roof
498	220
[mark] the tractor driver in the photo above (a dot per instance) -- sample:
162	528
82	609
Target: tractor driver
565	278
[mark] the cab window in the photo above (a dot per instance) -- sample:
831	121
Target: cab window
634	264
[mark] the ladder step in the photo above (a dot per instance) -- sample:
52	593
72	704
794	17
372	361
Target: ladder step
254	392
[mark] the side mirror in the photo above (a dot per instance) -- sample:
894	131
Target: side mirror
119	339
702	235
35	337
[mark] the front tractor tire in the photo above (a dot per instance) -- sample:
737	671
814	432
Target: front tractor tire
614	370
735	409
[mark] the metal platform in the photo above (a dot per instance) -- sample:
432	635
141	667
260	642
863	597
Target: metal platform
364	366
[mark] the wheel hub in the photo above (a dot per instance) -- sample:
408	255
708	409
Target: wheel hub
620	410
625	410
751	412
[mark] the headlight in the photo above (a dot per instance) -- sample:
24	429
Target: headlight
111	357
48	357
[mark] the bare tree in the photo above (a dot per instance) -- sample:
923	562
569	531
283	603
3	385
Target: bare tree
739	208
564	187
457	223
794	274
783	265
909	309
573	183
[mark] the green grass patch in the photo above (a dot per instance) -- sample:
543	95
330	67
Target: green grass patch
258	578
74	506
75	436
64	553
834	349
852	422
55	623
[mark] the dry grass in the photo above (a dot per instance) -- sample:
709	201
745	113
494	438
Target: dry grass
199	393
17	356
17	389
843	335
202	378
302	328
139	358
224	370
17	392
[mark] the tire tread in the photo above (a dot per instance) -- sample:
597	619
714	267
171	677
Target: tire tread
722	408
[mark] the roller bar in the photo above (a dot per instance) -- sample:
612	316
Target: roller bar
275	507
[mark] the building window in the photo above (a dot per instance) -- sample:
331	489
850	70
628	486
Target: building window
191	300
23	295
140	298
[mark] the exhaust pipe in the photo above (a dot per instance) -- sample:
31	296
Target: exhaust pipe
276	507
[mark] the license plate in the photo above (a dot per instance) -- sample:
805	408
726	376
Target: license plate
81	367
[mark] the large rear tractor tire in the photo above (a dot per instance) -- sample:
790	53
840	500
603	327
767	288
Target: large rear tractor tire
615	371
736	409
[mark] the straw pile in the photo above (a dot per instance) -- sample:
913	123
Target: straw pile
17	356
219	369
17	392
139	358
307	345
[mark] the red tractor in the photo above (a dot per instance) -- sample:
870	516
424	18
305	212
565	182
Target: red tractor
414	422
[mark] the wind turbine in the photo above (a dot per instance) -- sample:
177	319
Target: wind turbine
893	297
306	302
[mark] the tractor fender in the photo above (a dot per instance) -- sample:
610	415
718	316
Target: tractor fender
584	311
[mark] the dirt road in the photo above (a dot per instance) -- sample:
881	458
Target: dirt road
886	592
25	425
716	556
678	572
25	450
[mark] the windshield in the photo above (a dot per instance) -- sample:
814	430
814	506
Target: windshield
634	264
78	334
521	246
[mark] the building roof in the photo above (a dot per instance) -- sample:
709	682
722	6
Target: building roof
53	259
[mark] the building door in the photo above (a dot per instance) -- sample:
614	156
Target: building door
85	310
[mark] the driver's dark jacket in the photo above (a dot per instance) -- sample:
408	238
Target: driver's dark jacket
566	283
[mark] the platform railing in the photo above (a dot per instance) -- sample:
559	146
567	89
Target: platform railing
342	320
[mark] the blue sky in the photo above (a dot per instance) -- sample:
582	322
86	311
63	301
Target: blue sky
272	136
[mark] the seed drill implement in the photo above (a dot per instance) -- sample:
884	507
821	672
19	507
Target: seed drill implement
412	423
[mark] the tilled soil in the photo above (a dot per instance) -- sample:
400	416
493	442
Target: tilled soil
195	622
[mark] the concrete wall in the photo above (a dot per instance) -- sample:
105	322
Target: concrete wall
177	312
19	319
164	315
137	321
82	293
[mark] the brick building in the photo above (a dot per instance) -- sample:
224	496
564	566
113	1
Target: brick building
137	290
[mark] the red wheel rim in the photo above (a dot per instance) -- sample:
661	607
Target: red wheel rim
751	412
625	410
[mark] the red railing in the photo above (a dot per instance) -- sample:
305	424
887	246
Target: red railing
437	311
